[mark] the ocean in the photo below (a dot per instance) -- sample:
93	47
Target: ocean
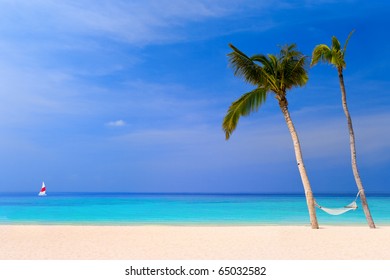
182	209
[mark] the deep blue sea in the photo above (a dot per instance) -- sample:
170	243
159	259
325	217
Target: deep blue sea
178	209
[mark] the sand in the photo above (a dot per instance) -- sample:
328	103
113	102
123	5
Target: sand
39	242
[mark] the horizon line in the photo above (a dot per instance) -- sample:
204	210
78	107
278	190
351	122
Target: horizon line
199	193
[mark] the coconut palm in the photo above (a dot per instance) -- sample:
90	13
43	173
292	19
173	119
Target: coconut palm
334	55
271	74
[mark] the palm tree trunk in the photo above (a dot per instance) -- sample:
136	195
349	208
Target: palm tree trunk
355	170
301	166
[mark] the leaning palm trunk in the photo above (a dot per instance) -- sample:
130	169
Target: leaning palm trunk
301	166
355	170
274	74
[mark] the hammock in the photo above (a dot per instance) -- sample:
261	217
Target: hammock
341	210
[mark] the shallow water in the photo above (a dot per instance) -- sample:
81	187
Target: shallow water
202	209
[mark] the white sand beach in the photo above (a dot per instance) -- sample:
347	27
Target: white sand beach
39	242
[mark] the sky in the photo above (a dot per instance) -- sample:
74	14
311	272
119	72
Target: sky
129	96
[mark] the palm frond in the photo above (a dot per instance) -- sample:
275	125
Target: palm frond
244	67
336	44
338	59
243	106
273	65
269	69
289	51
292	70
321	53
268	62
346	41
296	74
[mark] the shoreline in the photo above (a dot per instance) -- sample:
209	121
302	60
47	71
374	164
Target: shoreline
193	242
181	224
194	224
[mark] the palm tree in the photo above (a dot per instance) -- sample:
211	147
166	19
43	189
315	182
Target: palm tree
334	55
276	75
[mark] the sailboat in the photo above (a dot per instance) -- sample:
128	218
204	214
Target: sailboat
43	190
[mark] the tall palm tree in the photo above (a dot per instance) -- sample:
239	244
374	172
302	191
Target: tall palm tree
334	55
274	74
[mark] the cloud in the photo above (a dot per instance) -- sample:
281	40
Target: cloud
135	22
117	123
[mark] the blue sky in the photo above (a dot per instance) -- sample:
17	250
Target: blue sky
129	96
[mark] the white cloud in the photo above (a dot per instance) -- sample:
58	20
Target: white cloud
135	22
117	123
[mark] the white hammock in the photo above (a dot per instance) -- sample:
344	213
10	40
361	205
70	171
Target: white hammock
341	210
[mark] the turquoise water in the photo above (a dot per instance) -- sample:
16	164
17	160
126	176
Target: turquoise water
122	209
